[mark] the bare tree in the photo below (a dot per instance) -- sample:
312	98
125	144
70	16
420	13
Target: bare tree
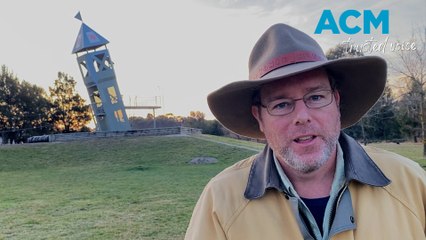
410	66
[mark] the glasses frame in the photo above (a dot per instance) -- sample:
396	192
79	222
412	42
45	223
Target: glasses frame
294	100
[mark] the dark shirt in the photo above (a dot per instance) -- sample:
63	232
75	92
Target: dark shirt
317	208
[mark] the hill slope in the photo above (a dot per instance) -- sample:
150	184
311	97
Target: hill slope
119	188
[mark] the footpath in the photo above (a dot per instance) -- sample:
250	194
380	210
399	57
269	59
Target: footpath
227	144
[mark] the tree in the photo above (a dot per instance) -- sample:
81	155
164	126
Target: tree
24	108
411	67
409	108
36	106
10	112
9	90
196	119
197	115
69	111
166	120
213	127
382	119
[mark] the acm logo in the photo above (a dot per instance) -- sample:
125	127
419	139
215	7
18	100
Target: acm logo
327	22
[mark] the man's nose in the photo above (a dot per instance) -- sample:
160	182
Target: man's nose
301	113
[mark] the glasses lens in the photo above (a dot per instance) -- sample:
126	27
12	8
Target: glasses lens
318	99
281	106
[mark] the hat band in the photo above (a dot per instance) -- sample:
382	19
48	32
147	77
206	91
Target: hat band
287	59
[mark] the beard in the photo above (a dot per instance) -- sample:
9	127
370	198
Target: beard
308	164
305	163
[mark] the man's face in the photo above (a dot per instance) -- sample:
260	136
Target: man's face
306	138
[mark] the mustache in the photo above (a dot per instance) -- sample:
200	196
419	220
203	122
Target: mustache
309	130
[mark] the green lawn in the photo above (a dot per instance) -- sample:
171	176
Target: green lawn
117	188
120	188
411	150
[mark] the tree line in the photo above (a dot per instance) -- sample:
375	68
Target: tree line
399	114
196	119
27	110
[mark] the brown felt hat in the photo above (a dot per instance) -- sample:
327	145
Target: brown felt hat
283	51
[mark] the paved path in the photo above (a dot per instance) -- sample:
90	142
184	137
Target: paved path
227	144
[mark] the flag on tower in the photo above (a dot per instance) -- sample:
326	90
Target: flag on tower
78	16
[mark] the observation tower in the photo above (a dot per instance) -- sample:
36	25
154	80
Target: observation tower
97	70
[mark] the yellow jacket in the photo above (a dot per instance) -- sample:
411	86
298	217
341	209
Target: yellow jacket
385	199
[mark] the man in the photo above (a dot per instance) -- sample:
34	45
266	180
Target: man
311	181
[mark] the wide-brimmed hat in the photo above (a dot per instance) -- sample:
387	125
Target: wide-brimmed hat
283	51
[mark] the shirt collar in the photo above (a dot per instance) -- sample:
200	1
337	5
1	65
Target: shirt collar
358	167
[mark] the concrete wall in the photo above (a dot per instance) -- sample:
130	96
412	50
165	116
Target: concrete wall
142	132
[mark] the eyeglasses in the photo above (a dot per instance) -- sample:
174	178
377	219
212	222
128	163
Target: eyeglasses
313	100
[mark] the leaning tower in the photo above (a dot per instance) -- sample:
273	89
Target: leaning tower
97	70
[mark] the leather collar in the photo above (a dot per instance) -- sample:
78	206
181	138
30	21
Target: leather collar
358	167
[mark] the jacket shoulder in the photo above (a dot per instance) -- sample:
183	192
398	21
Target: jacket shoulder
227	191
237	171
408	179
393	164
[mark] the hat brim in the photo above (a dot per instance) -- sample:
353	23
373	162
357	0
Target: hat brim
360	82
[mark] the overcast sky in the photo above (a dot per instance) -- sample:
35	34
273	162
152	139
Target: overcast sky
179	50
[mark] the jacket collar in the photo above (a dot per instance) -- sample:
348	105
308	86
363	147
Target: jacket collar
358	167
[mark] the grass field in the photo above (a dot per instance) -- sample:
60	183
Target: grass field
118	188
411	150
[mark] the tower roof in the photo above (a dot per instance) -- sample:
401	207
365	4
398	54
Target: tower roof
88	39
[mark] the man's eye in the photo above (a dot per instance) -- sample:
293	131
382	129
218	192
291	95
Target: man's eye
316	97
281	105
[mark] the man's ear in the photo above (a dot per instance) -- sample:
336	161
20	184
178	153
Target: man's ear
255	111
337	97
